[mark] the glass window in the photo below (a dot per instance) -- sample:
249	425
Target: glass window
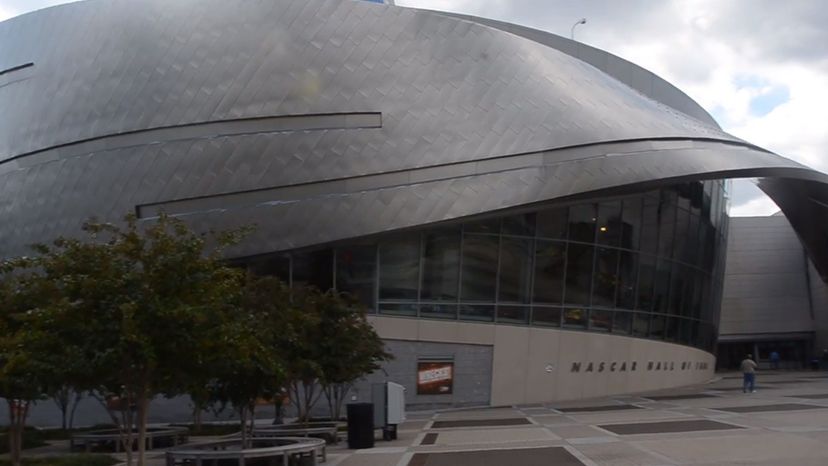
399	268
627	275
641	324
578	273
680	237
646	280
441	265
552	223
661	288
677	282
649	225
550	260
600	320
691	249
483	313
631	223
276	266
491	226
479	274
657	325
575	317
314	269
609	223
546	316
622	322
685	194
356	267
707	198
666	223
513	314
696	196
582	220
605	278
515	270
439	311
521	225
672	328
397	309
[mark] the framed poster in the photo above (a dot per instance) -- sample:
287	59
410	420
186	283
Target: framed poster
435	377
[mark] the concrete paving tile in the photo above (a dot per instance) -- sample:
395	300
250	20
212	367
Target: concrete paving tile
643	414
576	431
619	454
493	436
553	419
785	449
381	459
526	456
592	440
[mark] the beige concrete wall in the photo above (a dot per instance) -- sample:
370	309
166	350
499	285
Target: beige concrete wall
531	365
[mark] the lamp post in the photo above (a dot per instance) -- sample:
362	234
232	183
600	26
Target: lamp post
572	32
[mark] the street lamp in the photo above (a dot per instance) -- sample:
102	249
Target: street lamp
572	32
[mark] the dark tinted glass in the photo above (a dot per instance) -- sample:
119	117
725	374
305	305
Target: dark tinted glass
483	226
661	288
515	270
671	329
441	265
399	268
646	279
578	273
677	283
483	313
277	266
631	223
513	314
438	311
575	317
622	322
627	275
582	220
649	225
550	260
600	320
552	223
680	236
479	268
641	324
523	225
605	278
398	309
609	223
666	223
657	325
314	269
356	267
546	316
692	244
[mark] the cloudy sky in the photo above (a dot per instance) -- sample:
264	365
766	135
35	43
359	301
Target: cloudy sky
760	67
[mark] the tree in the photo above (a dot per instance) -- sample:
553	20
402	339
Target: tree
348	349
146	307
67	400
256	370
30	365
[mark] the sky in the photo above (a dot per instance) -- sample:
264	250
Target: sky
760	67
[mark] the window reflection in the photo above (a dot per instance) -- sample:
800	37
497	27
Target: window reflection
441	265
399	268
551	223
578	273
550	260
355	270
600	320
605	278
575	317
609	223
546	316
313	268
627	275
479	268
631	223
582	220
513	314
515	270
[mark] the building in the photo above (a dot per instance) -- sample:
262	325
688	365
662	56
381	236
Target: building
527	218
774	299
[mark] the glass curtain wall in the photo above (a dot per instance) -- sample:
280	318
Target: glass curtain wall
647	265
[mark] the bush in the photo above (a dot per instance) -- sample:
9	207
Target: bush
71	460
32	438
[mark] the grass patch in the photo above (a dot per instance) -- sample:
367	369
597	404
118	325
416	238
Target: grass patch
69	460
32	438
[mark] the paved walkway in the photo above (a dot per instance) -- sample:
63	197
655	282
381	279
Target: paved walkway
784	423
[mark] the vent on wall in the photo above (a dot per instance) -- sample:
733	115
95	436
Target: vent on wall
16	68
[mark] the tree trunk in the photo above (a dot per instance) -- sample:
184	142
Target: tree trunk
197	417
243	422
78	398
18	410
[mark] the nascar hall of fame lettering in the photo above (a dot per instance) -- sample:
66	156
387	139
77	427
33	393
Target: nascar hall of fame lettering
636	366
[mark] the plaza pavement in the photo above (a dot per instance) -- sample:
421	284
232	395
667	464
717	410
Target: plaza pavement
784	423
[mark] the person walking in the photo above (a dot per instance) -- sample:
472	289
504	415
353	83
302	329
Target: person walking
774	358
748	374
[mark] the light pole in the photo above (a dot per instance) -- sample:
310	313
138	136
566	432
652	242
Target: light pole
572	32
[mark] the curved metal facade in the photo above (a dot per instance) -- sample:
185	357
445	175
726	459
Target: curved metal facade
324	121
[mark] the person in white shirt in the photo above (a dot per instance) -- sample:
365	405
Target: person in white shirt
748	374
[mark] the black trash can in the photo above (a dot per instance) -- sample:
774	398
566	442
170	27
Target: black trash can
360	425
